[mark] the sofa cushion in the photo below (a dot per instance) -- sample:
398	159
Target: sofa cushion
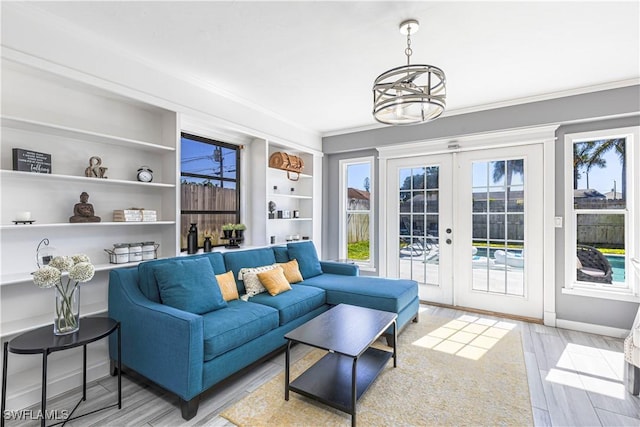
291	271
307	257
295	303
189	285
234	261
249	277
147	281
366	291
234	325
274	281
227	284
281	253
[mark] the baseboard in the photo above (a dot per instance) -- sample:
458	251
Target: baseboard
31	394
485	312
592	328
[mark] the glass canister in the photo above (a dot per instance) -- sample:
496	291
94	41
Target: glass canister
135	252
120	253
149	250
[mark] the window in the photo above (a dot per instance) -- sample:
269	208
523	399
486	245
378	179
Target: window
209	187
356	203
602	212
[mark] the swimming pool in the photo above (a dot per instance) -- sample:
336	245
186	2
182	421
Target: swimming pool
617	266
616	261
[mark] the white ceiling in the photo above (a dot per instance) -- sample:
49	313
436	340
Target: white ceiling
314	63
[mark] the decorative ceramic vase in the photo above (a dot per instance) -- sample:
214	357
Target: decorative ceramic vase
192	240
207	244
66	319
227	234
239	234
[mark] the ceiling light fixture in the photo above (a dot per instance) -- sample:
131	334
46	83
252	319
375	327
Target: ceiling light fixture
411	93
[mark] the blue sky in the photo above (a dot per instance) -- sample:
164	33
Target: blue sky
601	179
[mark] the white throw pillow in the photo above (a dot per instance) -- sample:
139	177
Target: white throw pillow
250	277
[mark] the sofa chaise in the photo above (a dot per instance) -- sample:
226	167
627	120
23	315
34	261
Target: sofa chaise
183	328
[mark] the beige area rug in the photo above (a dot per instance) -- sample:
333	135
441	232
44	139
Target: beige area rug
460	372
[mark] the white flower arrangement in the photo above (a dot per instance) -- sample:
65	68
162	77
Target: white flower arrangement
79	270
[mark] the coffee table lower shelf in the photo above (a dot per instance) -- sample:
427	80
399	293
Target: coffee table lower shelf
329	380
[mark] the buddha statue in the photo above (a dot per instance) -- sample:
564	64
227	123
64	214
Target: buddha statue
83	211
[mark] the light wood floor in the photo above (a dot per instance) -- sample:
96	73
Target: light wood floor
575	379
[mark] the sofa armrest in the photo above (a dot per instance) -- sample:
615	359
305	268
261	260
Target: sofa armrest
342	268
160	342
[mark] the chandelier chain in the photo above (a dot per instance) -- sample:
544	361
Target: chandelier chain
408	51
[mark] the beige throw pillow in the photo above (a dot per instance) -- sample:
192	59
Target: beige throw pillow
250	277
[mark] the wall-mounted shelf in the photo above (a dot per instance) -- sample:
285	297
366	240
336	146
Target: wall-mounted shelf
71	178
290	196
15	278
86	224
79	134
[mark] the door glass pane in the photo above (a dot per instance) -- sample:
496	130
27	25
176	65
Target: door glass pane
418	201
433	177
498	232
515	198
432	201
405	201
497	171
418	244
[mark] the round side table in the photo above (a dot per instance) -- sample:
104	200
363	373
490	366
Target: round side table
43	341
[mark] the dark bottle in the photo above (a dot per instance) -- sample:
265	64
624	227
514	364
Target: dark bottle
192	240
207	244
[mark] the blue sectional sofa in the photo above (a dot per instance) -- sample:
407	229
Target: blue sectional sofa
179	337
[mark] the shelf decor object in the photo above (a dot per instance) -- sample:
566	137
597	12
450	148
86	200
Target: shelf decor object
409	94
31	161
287	162
192	239
44	254
83	211
95	168
66	319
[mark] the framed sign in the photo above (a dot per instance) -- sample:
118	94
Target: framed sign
31	161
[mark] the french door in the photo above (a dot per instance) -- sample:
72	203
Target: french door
468	227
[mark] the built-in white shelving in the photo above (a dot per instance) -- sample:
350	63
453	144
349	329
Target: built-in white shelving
80	179
74	123
15	278
78	134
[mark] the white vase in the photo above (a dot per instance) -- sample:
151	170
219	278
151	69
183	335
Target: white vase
66	317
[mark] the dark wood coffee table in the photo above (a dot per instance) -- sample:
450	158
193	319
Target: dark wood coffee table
346	332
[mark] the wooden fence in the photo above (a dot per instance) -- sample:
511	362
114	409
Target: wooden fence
197	197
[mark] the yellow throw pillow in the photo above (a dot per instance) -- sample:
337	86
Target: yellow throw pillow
291	271
274	281
227	285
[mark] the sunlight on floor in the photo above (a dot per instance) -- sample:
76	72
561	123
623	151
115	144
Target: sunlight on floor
590	369
467	336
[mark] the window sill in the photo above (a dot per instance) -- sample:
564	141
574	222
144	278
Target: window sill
602	294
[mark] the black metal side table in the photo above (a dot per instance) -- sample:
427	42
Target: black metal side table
42	340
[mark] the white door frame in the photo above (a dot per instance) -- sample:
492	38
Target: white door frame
542	135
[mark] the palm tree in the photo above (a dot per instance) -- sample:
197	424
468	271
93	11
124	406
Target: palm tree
581	157
513	167
603	146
